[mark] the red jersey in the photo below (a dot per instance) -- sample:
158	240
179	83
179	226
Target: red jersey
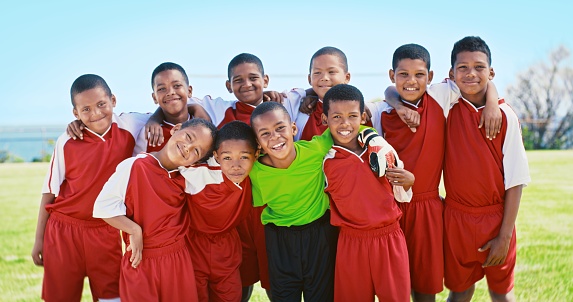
216	203
151	196
79	168
222	112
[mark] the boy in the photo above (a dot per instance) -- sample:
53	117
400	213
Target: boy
220	199
145	199
422	152
288	179
372	257
479	216
70	243
328	67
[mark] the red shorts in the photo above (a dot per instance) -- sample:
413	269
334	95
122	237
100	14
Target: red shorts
423	225
216	259
372	262
164	274
254	266
467	229
75	248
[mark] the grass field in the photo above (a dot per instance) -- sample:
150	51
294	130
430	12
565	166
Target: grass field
544	228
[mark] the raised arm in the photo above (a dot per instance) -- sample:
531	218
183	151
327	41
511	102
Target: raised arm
408	116
491	116
153	128
43	215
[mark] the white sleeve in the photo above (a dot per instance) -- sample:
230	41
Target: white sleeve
292	102
111	200
140	142
376	109
515	165
198	177
216	108
445	93
134	123
57	171
400	194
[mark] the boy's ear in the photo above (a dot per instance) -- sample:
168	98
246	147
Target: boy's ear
75	112
347	78
491	73
324	119
175	128
309	82
451	73
294	128
430	76
257	152
215	156
113	100
363	118
154	98
228	85
266	80
392	74
190	91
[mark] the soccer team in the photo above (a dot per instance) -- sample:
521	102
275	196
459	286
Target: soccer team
314	192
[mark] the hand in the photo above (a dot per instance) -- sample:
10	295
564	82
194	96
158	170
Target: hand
37	253
308	104
136	248
409	117
498	248
154	133
492	118
400	177
380	153
74	129
274	96
197	111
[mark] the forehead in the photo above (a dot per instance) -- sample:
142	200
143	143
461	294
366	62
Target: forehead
235	145
411	64
471	57
269	119
245	69
168	76
327	61
340	106
90	97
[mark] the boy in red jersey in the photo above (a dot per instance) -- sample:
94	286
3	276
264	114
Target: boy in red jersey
220	199
484	179
70	243
145	199
372	257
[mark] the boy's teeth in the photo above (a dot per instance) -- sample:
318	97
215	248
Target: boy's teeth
344	132
278	145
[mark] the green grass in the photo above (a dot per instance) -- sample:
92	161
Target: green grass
544	269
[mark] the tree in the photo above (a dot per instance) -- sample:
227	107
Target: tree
543	100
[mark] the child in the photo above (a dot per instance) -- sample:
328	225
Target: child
372	257
70	243
483	179
288	179
221	198
145	199
328	67
422	152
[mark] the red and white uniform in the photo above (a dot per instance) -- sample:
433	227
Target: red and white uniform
308	125
76	244
217	206
372	257
423	153
254	266
166	129
154	198
477	172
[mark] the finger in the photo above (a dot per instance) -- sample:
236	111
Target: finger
481	121
153	137
266	98
413	129
137	259
416	119
485	247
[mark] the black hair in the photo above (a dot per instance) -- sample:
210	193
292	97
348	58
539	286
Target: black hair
470	43
236	130
168	66
329	50
199	122
342	93
244	58
267	107
411	51
87	82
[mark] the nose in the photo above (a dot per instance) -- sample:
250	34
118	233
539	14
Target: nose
235	164
412	79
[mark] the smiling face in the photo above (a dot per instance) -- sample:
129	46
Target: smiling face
411	78
471	72
170	92
236	158
186	146
94	107
275	134
247	83
327	71
344	119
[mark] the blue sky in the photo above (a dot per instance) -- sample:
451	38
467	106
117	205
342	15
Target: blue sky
46	45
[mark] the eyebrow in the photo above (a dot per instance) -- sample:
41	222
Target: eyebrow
276	124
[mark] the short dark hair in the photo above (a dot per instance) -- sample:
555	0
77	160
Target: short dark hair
470	43
236	130
342	93
168	66
244	58
199	122
267	107
411	51
87	82
329	50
